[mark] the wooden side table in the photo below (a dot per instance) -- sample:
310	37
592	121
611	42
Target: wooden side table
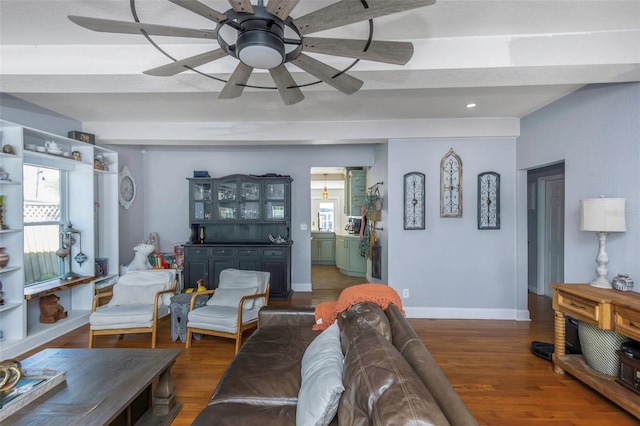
179	313
607	309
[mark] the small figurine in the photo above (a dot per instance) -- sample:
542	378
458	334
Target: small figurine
8	149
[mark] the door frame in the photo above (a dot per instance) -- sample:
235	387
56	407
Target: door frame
542	223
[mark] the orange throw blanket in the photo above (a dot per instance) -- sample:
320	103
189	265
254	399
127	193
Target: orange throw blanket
380	294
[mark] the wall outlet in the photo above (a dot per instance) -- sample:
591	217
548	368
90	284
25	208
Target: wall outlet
303	226
405	293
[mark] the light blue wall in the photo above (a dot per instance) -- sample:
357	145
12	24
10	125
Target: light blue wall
451	268
132	222
596	131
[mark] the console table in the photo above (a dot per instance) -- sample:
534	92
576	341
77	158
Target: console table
607	309
104	387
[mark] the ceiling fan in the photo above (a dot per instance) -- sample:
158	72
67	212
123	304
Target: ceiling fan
267	37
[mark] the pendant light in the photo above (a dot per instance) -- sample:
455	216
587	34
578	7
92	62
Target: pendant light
325	193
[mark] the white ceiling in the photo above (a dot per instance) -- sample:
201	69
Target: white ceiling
510	57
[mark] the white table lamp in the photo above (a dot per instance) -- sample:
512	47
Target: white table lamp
602	215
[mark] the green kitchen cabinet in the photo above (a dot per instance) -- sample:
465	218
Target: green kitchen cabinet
323	246
347	256
355	190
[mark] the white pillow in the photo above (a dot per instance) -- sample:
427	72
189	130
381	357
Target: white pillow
322	365
135	295
231	297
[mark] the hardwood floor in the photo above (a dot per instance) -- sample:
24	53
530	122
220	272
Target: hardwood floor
488	362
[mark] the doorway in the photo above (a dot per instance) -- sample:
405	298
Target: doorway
328	220
545	228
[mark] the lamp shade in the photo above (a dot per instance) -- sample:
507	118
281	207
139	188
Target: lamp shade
602	215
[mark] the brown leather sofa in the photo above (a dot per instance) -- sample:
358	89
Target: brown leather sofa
389	376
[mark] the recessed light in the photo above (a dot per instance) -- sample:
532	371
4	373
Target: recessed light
471	105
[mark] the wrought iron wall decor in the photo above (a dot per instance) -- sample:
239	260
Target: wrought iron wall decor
489	200
451	185
414	195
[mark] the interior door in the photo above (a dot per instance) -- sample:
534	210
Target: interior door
553	233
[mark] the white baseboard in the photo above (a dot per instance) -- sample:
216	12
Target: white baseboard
301	287
467	313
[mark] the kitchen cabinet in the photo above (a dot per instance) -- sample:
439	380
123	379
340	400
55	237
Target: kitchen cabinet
347	256
323	246
94	211
355	191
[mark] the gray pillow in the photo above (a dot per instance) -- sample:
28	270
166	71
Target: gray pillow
321	388
231	297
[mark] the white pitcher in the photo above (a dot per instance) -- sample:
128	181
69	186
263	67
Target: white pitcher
52	146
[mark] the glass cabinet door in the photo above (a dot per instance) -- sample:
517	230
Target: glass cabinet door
226	195
275	191
275	201
202	201
250	200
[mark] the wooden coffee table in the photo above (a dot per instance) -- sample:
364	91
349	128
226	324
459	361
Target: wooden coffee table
104	387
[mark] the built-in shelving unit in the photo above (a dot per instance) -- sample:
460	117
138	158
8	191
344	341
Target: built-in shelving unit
93	209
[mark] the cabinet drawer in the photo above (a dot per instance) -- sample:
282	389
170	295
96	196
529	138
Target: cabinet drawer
221	252
273	252
580	308
627	322
202	252
248	252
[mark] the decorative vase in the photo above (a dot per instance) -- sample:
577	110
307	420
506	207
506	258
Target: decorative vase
4	258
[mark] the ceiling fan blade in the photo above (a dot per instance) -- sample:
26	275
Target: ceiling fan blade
241	5
237	81
176	67
287	86
347	12
343	82
281	8
391	52
201	9
111	26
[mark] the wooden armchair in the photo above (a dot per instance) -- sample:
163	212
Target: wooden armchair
139	300
233	306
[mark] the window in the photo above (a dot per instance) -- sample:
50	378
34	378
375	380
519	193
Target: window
44	215
326	217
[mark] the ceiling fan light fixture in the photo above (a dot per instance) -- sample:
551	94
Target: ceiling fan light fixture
260	49
260	44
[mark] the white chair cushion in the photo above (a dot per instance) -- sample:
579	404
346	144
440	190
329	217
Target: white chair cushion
135	295
219	318
125	316
231	277
231	297
164	277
